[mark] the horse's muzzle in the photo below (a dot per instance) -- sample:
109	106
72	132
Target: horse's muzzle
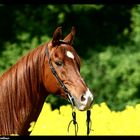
85	102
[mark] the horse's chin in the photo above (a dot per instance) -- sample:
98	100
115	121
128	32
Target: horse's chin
83	107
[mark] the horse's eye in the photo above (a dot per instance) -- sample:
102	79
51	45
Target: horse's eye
59	63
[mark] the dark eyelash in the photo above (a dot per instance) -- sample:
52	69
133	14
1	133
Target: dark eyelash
59	63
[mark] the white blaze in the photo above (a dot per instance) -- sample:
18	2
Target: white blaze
70	55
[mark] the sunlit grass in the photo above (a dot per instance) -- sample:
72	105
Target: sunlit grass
104	121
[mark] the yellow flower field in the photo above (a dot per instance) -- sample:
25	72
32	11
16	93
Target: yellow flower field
104	121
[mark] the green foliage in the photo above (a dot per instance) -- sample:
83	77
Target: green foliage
114	76
135	35
107	40
13	51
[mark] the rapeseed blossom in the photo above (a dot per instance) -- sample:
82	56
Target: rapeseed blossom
104	121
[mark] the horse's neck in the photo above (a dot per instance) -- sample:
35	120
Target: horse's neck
23	95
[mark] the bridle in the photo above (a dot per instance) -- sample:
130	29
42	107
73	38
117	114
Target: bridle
70	98
68	94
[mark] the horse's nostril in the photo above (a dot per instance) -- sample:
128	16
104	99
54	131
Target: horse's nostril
83	98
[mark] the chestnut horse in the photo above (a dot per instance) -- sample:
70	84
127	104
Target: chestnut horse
51	68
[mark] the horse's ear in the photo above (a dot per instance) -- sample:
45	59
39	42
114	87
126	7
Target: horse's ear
57	35
69	38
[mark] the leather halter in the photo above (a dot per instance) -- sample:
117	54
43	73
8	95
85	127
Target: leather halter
68	94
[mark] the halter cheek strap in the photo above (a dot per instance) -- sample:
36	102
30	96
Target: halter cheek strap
70	98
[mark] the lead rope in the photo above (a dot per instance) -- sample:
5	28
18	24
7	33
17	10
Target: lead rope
88	122
74	123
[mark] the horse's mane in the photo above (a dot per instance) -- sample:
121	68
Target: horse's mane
16	101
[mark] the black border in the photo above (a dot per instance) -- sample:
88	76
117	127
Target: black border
69	2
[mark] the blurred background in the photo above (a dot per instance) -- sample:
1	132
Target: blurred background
107	40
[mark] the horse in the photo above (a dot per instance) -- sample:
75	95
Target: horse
51	68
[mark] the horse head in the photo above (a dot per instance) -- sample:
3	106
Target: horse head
66	63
